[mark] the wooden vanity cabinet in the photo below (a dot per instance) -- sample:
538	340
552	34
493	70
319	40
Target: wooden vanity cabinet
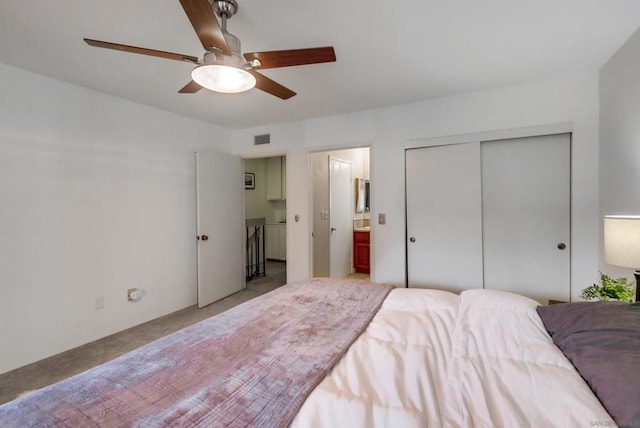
361	251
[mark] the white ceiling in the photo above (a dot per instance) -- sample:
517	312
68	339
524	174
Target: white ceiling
388	52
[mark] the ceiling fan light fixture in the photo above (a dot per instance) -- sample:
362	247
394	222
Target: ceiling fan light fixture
223	67
223	78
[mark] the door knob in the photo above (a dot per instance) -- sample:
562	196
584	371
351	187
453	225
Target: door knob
412	239
561	246
333	229
204	238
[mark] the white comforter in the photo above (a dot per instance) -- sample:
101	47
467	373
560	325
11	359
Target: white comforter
431	358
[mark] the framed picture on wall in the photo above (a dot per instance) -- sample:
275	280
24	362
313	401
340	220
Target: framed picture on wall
249	180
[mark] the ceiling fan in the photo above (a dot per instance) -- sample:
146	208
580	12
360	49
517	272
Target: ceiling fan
223	67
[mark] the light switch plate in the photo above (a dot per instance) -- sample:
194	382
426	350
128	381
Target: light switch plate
382	218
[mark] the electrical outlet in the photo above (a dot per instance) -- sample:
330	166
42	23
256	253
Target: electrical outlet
382	218
129	292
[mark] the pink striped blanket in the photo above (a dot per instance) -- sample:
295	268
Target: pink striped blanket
252	365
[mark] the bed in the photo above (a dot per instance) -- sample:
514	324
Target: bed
332	353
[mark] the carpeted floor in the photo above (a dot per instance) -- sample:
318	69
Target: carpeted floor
69	363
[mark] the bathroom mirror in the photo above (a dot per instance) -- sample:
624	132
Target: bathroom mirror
362	195
366	195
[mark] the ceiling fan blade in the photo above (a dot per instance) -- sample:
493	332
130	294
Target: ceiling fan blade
206	25
190	88
271	87
143	51
288	58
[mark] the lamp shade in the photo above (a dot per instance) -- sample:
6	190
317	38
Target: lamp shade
622	241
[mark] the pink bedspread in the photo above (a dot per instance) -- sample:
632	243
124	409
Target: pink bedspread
253	365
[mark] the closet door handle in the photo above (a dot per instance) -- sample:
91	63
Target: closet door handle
412	239
562	246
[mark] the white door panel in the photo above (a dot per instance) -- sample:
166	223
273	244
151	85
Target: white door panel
526	215
340	218
444	228
220	211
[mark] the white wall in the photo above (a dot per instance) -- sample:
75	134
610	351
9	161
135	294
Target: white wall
97	194
256	203
620	138
255	200
388	131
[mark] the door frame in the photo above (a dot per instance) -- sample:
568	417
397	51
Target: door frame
331	149
243	158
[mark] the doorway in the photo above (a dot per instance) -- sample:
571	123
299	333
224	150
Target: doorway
265	204
337	176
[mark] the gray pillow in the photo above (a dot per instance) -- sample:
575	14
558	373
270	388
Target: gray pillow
602	341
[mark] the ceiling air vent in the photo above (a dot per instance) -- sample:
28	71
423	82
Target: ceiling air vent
261	139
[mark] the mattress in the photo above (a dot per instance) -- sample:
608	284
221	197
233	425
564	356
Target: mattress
435	359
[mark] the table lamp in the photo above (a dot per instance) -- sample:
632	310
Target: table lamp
622	244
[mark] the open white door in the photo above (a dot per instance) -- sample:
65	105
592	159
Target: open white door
220	214
340	218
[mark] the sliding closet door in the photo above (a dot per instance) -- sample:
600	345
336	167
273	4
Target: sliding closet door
526	216
444	229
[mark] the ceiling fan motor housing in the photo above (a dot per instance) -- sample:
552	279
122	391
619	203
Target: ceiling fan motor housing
236	59
224	7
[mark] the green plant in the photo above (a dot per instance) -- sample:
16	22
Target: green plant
609	289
